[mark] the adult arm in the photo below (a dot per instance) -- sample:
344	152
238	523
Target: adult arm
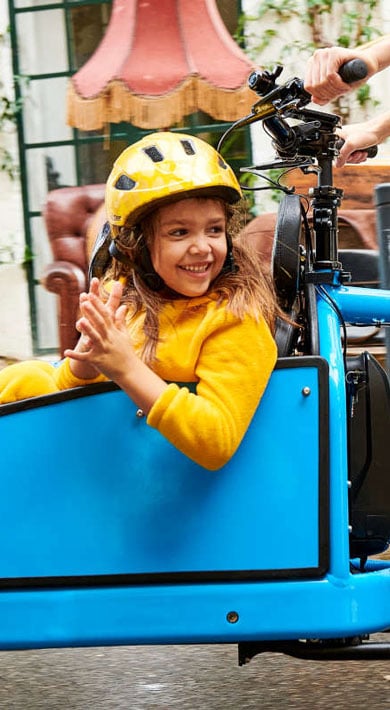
322	79
358	136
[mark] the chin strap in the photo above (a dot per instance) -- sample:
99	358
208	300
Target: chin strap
229	266
119	255
145	270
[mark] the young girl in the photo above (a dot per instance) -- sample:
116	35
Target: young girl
177	301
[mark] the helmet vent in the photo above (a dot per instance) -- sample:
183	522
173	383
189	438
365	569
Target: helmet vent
188	147
154	154
222	163
124	182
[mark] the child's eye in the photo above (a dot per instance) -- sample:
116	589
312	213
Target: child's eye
217	229
178	232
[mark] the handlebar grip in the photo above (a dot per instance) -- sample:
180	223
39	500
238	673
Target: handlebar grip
372	151
354	70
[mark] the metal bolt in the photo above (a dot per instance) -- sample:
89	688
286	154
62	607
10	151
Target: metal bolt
140	413
306	391
232	617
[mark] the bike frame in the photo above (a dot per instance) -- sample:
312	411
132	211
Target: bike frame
356	305
76	582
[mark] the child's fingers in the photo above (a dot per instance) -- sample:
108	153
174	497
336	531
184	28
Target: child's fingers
96	311
115	296
94	286
77	354
120	316
88	332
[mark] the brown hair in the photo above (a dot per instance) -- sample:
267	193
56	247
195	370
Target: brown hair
249	289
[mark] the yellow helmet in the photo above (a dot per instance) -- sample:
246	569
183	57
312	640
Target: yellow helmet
161	167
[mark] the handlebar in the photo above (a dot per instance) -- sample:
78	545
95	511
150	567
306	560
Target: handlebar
315	135
310	138
354	70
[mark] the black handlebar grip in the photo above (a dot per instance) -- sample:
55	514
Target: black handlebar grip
372	151
354	70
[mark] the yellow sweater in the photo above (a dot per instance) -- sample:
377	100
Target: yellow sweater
229	360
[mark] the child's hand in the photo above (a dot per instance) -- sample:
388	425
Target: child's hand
104	342
113	304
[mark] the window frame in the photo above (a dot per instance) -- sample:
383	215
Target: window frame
123	132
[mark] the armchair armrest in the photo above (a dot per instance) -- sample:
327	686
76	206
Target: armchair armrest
67	213
62	274
67	281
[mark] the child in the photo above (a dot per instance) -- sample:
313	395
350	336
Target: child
177	301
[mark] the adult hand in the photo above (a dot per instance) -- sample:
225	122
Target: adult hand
356	137
322	79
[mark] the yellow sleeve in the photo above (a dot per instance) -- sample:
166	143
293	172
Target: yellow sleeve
23	380
65	379
34	378
233	369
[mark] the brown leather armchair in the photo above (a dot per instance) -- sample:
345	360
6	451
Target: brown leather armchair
69	213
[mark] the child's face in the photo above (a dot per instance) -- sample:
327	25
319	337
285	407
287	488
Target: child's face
189	245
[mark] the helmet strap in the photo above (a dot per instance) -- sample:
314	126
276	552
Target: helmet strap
145	270
119	255
229	266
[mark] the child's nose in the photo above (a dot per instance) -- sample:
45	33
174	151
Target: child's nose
200	243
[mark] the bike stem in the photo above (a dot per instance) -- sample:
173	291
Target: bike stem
325	201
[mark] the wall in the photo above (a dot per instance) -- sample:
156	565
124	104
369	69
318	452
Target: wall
15	326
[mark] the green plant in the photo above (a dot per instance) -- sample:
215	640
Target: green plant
347	23
6	254
9	110
28	256
287	32
10	252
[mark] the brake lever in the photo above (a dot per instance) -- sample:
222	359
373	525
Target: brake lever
295	162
